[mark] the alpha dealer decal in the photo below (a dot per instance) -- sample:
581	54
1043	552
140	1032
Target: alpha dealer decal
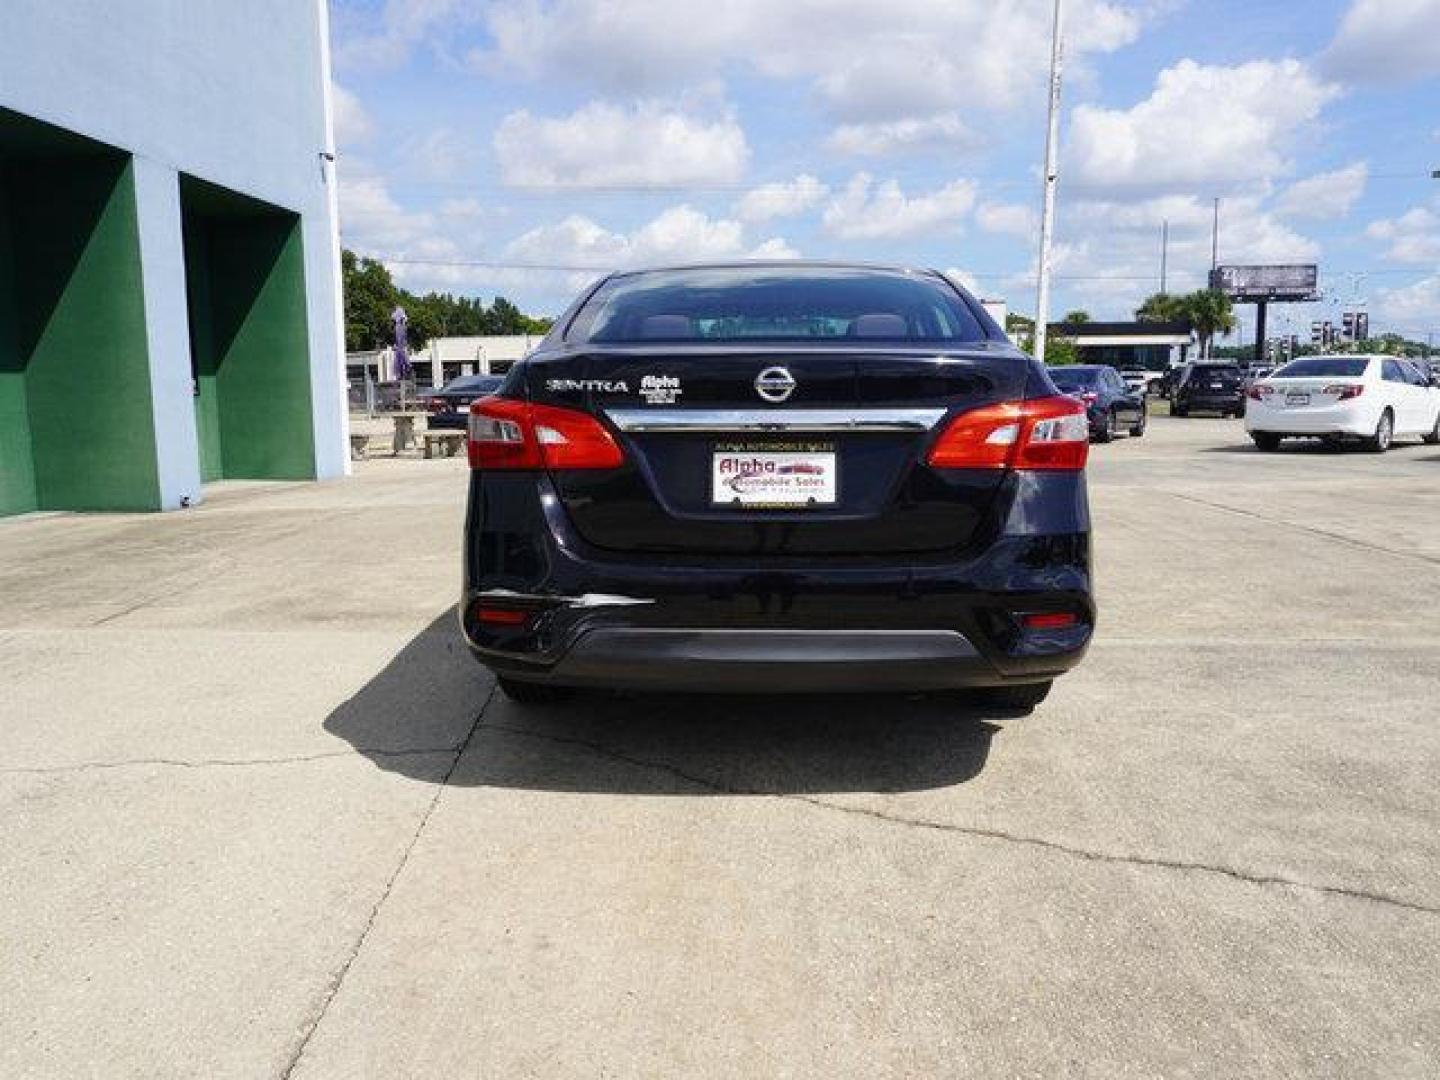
660	389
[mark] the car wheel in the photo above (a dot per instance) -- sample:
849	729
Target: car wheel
1434	436
1107	430
1179	410
528	693
1024	697
1384	433
1139	429
1266	440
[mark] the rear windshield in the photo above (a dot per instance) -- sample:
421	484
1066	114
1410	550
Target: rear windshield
1065	379
1219	374
474	382
1324	367
766	303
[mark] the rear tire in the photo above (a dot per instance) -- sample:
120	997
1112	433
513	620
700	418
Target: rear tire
1179	410
1384	433
1107	432
528	693
1022	697
1266	441
1434	436
1139	429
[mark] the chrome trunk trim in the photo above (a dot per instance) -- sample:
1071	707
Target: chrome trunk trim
765	420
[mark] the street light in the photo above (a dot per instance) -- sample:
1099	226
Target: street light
1047	213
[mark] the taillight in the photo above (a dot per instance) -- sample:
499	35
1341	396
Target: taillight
507	434
1043	433
1259	393
1345	391
1089	397
435	404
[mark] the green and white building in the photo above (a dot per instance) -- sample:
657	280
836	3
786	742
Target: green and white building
170	310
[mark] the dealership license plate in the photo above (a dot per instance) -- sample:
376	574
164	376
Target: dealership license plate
1297	399
782	475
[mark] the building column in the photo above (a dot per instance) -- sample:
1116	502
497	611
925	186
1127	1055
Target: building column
167	331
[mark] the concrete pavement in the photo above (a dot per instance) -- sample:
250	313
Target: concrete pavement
264	818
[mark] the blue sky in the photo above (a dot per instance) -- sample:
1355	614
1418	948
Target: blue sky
519	147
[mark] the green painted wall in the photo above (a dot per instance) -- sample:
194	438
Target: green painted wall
17	465
249	336
80	326
202	350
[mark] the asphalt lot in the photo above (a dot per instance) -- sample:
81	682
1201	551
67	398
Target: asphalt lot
264	818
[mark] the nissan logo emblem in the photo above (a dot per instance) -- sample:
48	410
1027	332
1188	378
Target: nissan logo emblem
775	384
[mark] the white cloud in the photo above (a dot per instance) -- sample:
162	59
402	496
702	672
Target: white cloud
1411	309
882	138
1200	125
604	145
869	211
1325	195
865	61
353	125
1383	41
384	38
442	155
680	234
1413	237
785	198
371	220
1008	219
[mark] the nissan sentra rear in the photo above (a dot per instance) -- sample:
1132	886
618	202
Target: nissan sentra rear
778	477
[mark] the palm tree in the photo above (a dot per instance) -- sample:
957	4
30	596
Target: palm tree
1162	307
1210	312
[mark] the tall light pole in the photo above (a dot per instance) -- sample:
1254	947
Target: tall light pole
1164	251
1047	212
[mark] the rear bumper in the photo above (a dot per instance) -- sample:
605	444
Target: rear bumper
1212	402
776	624
447	421
1347	420
771	661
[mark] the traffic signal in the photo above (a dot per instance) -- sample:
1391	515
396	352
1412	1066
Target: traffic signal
1347	326
1362	326
1317	334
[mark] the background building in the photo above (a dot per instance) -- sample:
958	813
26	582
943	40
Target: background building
169	279
1128	346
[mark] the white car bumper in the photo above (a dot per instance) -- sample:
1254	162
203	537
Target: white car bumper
1343	418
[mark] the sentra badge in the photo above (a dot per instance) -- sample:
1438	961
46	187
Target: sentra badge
587	386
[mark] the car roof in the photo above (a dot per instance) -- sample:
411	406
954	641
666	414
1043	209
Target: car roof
779	264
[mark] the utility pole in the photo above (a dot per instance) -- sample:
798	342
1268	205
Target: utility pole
1164	251
1047	213
1215	237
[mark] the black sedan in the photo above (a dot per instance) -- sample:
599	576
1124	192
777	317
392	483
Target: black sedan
1110	405
778	477
449	407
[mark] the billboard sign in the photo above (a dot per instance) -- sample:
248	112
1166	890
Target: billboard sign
1291	282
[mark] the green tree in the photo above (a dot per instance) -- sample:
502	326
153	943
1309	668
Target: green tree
1210	312
1079	315
1061	351
1161	307
370	298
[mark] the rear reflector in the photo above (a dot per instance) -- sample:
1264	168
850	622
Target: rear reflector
1048	620
498	616
506	434
1043	433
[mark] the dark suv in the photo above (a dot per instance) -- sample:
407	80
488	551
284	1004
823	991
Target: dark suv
778	477
1216	388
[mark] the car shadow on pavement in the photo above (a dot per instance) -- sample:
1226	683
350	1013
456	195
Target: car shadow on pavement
426	701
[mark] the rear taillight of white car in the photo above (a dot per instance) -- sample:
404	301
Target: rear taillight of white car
1344	391
1049	433
507	434
1259	393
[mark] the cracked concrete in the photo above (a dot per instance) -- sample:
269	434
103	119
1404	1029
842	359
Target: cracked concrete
266	819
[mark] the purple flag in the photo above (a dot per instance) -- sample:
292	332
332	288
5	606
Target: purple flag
402	348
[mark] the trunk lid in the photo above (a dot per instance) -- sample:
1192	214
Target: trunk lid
852	423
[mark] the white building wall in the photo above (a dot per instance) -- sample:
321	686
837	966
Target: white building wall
235	92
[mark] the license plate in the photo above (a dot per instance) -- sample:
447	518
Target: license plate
1217	386
773	475
1297	399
